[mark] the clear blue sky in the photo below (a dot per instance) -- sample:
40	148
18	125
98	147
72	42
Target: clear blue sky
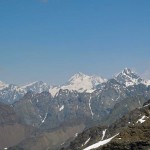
50	40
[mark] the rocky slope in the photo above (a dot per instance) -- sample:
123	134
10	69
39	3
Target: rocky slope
12	131
52	139
64	115
132	131
10	93
111	99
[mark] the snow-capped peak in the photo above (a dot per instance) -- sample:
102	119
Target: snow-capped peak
128	71
148	82
79	82
83	77
37	87
3	85
128	77
77	76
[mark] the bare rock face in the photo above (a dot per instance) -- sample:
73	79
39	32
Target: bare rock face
132	131
108	103
12	131
7	114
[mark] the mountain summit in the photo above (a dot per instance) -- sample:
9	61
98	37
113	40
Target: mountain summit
128	77
2	85
79	82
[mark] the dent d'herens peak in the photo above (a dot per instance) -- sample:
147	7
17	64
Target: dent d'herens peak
79	82
129	78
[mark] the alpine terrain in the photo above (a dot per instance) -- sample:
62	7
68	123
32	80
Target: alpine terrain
50	117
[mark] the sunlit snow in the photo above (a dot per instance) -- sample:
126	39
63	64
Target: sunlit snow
61	108
90	107
44	118
86	141
79	82
104	132
100	143
142	119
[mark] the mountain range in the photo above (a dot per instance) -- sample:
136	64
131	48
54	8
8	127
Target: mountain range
53	115
10	93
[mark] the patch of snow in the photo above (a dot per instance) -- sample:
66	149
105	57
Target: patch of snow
90	91
90	107
61	108
44	118
86	142
147	82
100	143
142	119
146	105
54	90
76	134
104	132
40	117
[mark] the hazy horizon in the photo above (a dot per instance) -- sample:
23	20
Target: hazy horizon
52	40
67	79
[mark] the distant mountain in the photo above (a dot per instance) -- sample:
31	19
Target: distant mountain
80	83
36	87
129	78
84	83
10	93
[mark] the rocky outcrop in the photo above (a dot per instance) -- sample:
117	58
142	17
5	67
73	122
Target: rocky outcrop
132	131
12	131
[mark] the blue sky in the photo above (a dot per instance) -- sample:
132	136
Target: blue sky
50	40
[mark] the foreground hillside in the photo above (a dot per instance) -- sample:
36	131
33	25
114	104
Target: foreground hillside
12	131
132	131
